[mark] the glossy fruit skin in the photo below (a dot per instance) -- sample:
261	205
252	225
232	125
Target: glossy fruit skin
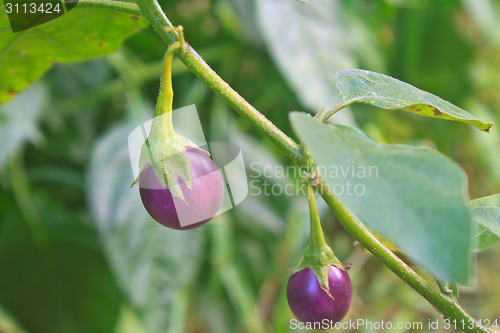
203	199
310	303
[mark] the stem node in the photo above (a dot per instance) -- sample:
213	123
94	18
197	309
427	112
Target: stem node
180	32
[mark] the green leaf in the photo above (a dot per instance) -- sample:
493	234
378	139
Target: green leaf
150	261
82	33
414	197
356	85
486	213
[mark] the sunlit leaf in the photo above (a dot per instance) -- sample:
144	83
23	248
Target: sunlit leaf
82	33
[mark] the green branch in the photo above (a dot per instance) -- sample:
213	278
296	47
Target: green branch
120	6
323	115
448	306
152	11
317	239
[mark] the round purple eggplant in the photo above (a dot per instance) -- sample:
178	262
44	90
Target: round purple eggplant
310	303
202	200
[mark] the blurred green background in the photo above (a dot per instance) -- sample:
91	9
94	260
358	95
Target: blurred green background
77	250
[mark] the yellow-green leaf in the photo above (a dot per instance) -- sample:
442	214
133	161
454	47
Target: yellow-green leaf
486	214
82	33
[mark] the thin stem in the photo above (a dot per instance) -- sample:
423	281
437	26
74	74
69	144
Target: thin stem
152	11
166	94
119	6
324	115
316	238
155	15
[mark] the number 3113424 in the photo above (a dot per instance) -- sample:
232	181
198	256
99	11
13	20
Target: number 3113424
33	7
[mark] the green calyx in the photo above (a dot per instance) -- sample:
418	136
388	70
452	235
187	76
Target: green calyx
164	149
169	160
318	256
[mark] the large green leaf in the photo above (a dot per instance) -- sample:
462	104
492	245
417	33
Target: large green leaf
414	197
80	34
486	213
356	85
150	261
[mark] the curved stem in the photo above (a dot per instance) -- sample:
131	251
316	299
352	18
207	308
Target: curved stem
324	115
166	94
163	125
448	306
316	238
120	6
152	11
318	256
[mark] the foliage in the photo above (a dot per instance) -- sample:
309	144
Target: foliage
414	197
76	36
389	93
72	232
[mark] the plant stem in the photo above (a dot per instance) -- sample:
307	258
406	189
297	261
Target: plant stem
119	6
448	306
316	238
318	256
163	125
166	94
